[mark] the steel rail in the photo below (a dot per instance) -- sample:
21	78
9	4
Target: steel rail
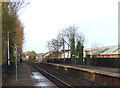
53	77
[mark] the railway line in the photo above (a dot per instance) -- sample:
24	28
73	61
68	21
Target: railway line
61	79
55	80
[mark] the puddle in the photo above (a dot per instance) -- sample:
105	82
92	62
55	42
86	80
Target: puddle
41	80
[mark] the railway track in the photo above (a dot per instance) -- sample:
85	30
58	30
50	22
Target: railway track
59	83
60	79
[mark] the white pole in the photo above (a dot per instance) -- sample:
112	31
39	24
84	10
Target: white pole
8	54
8	50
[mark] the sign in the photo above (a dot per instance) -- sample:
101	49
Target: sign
16	49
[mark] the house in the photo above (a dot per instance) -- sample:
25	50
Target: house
57	54
65	54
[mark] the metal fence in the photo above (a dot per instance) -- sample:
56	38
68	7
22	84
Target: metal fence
103	62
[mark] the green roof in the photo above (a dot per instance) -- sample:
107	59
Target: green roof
107	50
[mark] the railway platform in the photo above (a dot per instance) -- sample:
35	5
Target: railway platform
27	77
105	70
102	75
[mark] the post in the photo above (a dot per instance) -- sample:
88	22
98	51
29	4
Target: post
83	61
64	50
8	55
73	59
16	59
57	49
68	52
19	58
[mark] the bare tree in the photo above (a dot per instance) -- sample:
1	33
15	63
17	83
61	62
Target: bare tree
49	45
60	37
14	7
96	45
54	45
66	37
80	37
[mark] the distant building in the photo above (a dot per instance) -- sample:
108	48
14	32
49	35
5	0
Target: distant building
100	52
40	57
65	54
104	52
46	55
57	54
54	55
26	56
36	59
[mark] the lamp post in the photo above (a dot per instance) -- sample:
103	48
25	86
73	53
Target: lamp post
19	58
8	54
16	49
73	58
83	61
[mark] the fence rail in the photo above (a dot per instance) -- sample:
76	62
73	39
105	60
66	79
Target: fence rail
104	62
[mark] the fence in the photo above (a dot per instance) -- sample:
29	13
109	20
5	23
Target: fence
104	62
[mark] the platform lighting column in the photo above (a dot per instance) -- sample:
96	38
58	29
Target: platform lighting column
8	55
16	59
73	58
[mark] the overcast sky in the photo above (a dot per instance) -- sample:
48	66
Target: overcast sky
43	19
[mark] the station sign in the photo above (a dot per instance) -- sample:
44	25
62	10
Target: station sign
16	49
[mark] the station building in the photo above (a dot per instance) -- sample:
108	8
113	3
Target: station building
104	52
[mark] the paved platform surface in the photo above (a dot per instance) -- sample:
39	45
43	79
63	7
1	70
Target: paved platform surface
28	77
103	70
106	69
114	72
